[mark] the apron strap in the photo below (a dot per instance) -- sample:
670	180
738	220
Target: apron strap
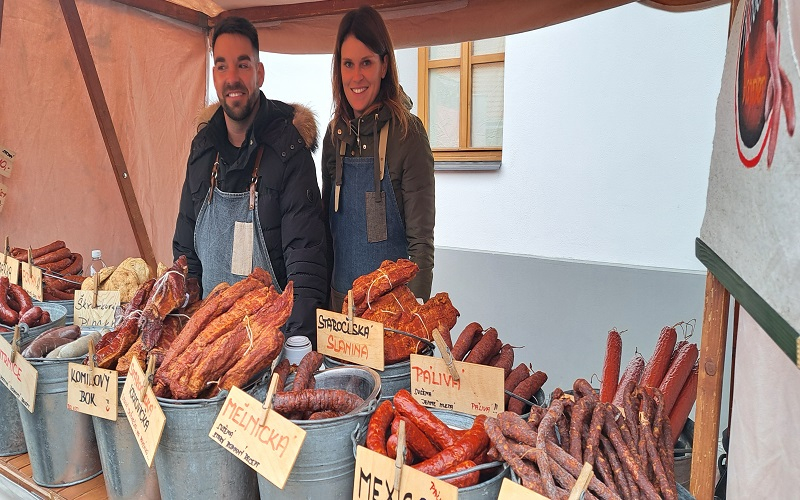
254	176
214	171
338	187
376	172
382	147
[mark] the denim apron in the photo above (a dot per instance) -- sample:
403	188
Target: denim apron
365	221
221	216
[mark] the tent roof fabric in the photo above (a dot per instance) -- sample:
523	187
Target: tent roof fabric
287	26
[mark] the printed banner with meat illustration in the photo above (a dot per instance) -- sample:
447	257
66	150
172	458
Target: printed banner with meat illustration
752	219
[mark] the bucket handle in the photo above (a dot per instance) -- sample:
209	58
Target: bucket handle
358	435
479	467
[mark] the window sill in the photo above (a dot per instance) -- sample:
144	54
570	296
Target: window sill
466	166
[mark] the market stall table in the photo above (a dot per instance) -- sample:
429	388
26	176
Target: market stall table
17	469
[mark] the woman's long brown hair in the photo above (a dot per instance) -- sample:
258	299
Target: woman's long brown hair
366	24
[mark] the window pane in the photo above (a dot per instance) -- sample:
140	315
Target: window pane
450	51
489	46
487	105
444	85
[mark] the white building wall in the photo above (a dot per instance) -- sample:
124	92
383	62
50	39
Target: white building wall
608	128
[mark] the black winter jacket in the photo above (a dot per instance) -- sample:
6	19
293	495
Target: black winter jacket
289	207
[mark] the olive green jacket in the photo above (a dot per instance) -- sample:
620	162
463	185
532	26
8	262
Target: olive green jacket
409	161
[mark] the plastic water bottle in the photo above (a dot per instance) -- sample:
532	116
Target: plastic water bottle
97	262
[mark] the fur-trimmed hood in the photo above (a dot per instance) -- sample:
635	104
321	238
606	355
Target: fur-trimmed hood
303	120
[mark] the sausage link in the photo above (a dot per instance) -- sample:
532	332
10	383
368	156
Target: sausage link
505	359
580	412
313	400
75	266
473	442
464	480
379	426
21	254
305	370
631	374
441	435
21	296
526	389
542	461
667	489
517	375
31	316
391	450
595	428
282	370
482	351
57	266
44	318
582	388
464	342
8	315
530	479
54	256
627	458
677	375
415	439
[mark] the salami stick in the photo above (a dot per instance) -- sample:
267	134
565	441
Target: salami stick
563	429
643	418
441	435
483	350
604	470
627	458
595	427
666	449
524	449
580	411
305	370
517	375
529	478
536	416
630	411
583	388
526	389
616	467
378	427
545	428
667	489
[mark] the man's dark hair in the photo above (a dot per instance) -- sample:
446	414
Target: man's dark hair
236	26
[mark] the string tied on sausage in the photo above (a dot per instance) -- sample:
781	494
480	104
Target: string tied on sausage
249	334
159	285
369	290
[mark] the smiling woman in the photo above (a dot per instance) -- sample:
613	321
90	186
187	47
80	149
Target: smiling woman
371	216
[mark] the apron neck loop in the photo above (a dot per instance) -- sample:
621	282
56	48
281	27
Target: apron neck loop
214	171
338	186
254	177
376	172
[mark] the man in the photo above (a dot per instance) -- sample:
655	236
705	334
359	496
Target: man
250	198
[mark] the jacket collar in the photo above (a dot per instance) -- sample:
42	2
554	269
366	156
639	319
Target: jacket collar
362	126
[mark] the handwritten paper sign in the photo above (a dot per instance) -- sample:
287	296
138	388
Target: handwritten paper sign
144	414
3	194
32	281
479	390
20	376
9	268
6	161
271	449
92	391
359	341
374	480
102	315
510	490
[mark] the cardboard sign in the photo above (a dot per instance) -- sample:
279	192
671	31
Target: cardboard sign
9	269
20	376
6	161
359	341
3	194
479	390
374	480
271	449
92	391
32	281
102	315
510	490
144	414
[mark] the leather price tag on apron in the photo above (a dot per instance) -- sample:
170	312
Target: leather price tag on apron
242	256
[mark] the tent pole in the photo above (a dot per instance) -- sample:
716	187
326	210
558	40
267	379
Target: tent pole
709	388
1	20
95	89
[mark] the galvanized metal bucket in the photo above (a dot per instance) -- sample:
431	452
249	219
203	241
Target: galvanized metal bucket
12	439
393	377
489	488
125	471
325	467
68	305
61	443
191	465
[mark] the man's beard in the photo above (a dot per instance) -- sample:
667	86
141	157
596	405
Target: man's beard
239	114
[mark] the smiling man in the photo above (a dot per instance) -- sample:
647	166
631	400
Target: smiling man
250	198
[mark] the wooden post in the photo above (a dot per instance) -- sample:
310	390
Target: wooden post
103	115
709	389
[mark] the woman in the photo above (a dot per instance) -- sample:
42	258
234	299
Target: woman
374	216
